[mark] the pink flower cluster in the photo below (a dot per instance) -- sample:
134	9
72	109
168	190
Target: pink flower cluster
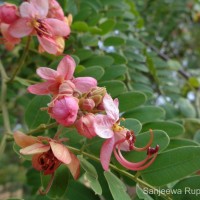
45	19
80	103
75	101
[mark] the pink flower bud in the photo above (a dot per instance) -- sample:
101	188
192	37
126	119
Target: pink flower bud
8	13
55	10
85	126
87	104
64	110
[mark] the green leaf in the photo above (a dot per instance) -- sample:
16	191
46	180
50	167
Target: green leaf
146	113
138	66
107	26
197	136
174	64
191	126
89	40
141	194
33	115
113	72
117	187
60	183
91	175
83	54
114	87
118	59
95	72
172	165
79	191
171	128
33	180
132	124
130	100
180	142
121	25
103	61
114	41
194	82
80	26
188	187
186	108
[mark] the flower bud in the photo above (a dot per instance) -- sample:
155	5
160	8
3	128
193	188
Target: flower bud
8	13
55	10
85	125
64	110
86	104
97	91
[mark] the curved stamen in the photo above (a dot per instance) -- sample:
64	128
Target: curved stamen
44	192
129	165
151	153
148	144
149	163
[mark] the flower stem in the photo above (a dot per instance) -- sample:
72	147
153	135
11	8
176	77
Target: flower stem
123	172
21	62
4	108
42	127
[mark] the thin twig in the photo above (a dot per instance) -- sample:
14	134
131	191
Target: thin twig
4	108
22	60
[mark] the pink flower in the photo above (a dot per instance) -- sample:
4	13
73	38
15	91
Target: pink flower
85	125
8	13
56	79
64	109
8	40
33	21
47	154
108	127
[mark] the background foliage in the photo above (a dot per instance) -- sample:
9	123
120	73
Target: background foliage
146	53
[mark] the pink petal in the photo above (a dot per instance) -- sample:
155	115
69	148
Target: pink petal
23	140
42	7
84	84
60	152
64	110
58	27
106	152
47	73
40	88
20	28
103	126
74	166
111	107
35	149
35	162
48	44
122	135
27	10
66	67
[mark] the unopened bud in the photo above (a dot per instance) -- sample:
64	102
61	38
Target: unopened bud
97	91
85	125
86	104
